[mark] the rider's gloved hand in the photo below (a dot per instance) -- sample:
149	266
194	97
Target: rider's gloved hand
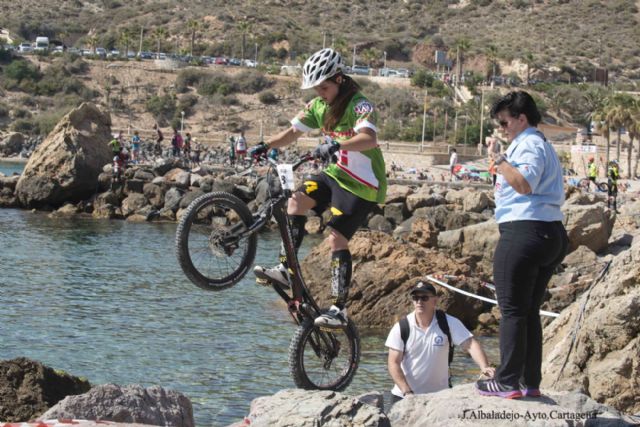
326	150
259	150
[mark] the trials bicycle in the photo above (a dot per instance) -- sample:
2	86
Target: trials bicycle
216	243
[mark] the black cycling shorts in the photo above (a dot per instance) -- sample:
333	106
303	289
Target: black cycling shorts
348	211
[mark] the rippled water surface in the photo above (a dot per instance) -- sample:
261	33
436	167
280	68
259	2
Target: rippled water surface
8	168
107	300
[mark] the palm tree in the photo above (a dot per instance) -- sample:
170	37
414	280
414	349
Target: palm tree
125	40
193	27
244	27
461	45
634	134
492	56
160	34
93	43
619	115
530	61
370	55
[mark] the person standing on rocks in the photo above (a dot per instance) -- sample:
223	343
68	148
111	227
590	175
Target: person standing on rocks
159	139
351	187
453	161
528	195
116	144
420	345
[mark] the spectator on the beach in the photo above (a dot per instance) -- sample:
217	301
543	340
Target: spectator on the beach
176	143
197	149
241	146
232	150
186	147
135	147
453	161
116	144
421	346
592	171
613	174
159	139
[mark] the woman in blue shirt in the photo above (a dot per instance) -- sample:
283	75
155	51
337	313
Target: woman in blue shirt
529	193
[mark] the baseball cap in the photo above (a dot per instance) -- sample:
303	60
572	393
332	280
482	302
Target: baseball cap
422	287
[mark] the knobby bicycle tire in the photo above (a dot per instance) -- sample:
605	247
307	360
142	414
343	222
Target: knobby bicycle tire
332	369
603	186
205	258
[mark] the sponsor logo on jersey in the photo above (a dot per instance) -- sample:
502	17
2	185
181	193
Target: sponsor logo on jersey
363	107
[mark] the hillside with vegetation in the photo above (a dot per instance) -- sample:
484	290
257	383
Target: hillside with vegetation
575	34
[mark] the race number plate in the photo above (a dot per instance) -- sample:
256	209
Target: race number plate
285	173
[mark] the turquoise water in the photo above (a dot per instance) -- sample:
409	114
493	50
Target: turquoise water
8	168
107	300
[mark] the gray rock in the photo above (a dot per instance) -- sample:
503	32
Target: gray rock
450	240
154	194
206	184
380	223
9	182
134	186
190	197
395	212
158	180
459	219
475	201
133	203
244	193
144	175
65	167
130	404
463	406
178	177
588	225
301	408
172	199
398	193
12	144
423	199
195	179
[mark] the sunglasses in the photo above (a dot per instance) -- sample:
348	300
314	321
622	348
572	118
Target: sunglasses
417	298
503	123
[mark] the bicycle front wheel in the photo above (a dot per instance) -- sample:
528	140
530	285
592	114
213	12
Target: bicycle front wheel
603	186
321	359
209	246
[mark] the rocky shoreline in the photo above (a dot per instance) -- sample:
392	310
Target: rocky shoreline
423	228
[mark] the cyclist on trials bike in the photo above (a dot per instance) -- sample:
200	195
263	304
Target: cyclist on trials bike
351	187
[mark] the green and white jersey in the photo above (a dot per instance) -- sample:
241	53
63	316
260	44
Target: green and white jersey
359	172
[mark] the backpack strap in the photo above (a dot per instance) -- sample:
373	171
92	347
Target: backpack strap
443	324
404	332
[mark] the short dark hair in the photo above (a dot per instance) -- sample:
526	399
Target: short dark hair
453	150
516	103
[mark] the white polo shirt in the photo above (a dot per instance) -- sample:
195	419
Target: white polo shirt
426	359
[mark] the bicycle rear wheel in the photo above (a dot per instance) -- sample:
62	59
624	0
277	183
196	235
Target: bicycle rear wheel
208	244
324	360
603	186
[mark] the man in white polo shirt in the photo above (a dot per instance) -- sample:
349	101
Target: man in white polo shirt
422	364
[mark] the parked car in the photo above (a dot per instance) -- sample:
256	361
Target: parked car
25	47
102	52
360	70
146	55
220	60
234	61
58	50
403	72
384	72
249	63
114	53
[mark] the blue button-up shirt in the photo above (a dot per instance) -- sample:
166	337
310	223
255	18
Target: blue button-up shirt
538	163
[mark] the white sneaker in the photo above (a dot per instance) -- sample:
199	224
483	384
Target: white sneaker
334	318
278	275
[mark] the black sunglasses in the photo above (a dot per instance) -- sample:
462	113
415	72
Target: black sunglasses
503	123
421	297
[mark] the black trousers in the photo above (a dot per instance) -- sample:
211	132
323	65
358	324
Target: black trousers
524	261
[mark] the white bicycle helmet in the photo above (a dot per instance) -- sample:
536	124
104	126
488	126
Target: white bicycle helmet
320	66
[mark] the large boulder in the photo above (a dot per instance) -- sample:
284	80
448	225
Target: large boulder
28	388
588	225
463	406
303	408
384	269
593	346
12	144
130	404
65	167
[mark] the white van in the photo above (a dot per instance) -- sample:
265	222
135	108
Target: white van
25	47
42	44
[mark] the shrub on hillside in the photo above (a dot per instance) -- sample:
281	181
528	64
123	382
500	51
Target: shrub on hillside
268	98
161	106
4	110
253	82
20	70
